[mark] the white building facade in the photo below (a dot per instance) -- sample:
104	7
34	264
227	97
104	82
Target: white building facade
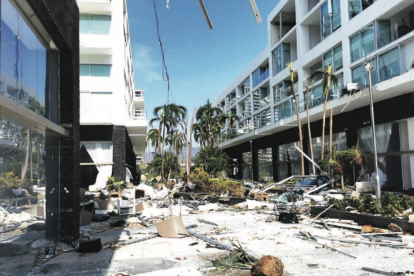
113	121
312	34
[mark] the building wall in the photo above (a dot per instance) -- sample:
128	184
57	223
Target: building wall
61	21
392	96
123	154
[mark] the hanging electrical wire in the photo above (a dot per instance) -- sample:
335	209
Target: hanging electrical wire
165	75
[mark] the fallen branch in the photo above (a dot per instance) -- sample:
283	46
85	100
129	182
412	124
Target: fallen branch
151	236
225	247
207	222
382	272
307	238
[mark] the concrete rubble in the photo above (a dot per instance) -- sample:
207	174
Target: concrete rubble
126	234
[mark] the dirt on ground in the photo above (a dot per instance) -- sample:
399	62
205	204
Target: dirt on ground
268	266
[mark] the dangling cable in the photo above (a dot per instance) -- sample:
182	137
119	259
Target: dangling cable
165	75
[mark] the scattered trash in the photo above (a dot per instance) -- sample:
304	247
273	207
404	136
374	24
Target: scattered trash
172	227
117	223
90	246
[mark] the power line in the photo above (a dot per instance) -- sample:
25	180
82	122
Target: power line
165	75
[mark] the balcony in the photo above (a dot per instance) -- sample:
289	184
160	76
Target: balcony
139	99
94	6
282	23
88	83
95	44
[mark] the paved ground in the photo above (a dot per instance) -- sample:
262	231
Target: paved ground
161	256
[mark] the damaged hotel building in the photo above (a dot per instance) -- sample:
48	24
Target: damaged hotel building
346	34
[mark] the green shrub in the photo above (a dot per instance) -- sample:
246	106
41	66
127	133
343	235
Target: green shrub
8	181
393	205
201	178
222	185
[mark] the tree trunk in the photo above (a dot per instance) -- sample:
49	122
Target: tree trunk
330	134
309	128
300	129
212	135
298	117
162	152
172	138
323	118
26	160
159	138
191	147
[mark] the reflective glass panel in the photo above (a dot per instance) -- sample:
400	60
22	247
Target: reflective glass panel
23	61
337	57
367	40
327	59
84	70
265	161
84	23
336	14
354	8
389	64
100	70
286	54
384	33
325	21
355	47
247	166
100	24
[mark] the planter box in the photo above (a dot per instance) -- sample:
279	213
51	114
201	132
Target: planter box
236	200
363	219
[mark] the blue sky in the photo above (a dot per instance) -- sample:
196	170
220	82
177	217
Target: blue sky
201	62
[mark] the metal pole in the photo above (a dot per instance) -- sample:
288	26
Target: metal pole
369	68
251	153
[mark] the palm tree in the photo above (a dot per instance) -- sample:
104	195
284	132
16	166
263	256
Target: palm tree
153	138
159	116
309	128
207	114
174	115
292	79
328	77
232	118
200	133
168	117
188	165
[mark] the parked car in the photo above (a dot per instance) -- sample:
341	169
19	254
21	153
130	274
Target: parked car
311	182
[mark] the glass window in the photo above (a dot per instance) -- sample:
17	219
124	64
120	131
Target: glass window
265	161
100	24
336	14
287	111
286	54
247	166
389	64
325	21
327	59
289	161
337	57
100	70
84	70
357	6
360	75
367	40
84	23
384	33
28	66
256	77
354	8
355	47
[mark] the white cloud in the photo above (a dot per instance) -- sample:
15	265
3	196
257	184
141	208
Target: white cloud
145	67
